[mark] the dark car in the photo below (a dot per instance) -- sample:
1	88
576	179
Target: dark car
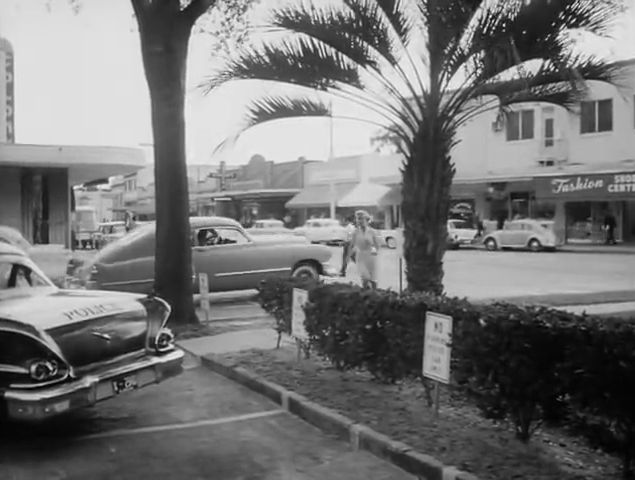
61	350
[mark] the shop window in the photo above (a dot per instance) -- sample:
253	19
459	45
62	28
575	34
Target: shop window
520	125
543	210
596	116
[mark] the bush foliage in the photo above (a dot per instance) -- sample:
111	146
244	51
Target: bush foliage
526	364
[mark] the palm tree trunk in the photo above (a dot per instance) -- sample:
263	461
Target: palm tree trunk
427	177
164	43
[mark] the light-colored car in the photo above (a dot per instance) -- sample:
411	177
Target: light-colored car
61	350
460	232
388	237
221	248
526	233
51	258
269	227
108	232
322	230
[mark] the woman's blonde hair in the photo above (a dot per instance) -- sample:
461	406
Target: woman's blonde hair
359	214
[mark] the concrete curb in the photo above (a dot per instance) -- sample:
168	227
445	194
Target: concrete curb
329	421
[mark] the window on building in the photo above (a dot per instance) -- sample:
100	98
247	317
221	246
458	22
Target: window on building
596	116
520	125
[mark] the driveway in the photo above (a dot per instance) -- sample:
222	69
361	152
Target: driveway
196	426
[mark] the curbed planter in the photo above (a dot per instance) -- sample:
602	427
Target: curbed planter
333	423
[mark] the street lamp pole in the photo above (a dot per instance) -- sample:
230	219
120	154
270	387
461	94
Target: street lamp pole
331	156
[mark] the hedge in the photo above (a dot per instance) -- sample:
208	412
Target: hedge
526	364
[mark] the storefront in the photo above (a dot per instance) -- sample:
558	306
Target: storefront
583	202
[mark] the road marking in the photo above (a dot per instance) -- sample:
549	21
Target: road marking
180	426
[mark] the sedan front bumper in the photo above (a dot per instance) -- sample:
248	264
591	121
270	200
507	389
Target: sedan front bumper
42	403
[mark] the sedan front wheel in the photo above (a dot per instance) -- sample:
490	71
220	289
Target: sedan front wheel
305	271
535	245
490	244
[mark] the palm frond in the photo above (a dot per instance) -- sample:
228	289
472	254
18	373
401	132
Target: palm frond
276	107
382	12
300	61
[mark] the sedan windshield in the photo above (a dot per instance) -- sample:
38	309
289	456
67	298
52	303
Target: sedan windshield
15	275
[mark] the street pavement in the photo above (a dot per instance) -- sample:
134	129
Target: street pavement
196	426
481	275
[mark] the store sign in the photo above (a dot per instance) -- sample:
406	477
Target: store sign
7	107
587	186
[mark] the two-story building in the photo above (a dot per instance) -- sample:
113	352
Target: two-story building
542	161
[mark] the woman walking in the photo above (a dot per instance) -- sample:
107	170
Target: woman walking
364	248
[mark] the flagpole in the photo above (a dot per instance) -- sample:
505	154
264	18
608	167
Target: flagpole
331	156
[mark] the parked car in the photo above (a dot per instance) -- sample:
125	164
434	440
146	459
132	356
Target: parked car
322	230
388	237
269	227
460	232
527	233
221	248
51	258
61	350
84	225
108	232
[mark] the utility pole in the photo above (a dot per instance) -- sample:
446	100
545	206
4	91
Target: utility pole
331	156
223	176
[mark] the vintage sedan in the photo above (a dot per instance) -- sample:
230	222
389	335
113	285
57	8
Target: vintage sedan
460	232
221	248
108	232
527	233
322	230
269	227
61	350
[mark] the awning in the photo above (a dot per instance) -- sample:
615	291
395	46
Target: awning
392	197
364	195
320	195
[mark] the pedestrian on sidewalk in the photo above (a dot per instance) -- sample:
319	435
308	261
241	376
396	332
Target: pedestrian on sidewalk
349	230
609	226
365	245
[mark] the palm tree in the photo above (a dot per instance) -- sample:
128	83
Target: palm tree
423	68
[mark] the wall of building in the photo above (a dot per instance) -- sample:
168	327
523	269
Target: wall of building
10	197
59	207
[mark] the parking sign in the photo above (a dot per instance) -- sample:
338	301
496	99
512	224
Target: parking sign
436	347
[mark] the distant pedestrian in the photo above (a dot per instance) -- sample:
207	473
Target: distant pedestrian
609	226
365	246
349	231
480	228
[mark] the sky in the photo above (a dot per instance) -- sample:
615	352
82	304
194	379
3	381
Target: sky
79	81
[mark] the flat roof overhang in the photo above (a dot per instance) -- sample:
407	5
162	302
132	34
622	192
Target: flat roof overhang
84	163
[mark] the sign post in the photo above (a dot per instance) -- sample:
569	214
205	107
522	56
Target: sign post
437	352
298	330
399	251
203	288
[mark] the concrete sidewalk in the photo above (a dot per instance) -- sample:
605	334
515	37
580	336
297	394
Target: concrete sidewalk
261	338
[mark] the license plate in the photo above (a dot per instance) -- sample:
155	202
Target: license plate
124	384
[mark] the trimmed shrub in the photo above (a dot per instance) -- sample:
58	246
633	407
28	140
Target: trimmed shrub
526	364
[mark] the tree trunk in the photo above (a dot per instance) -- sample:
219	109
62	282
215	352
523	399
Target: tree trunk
427	177
164	44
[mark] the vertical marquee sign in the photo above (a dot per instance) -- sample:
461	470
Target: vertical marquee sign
7	95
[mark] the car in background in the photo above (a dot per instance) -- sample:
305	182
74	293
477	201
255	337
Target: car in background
388	237
460	232
84	225
221	248
108	232
322	230
269	227
61	350
51	258
527	233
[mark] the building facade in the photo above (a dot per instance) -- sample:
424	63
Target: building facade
36	181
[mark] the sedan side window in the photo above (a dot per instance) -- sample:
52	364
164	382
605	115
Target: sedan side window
15	275
231	236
